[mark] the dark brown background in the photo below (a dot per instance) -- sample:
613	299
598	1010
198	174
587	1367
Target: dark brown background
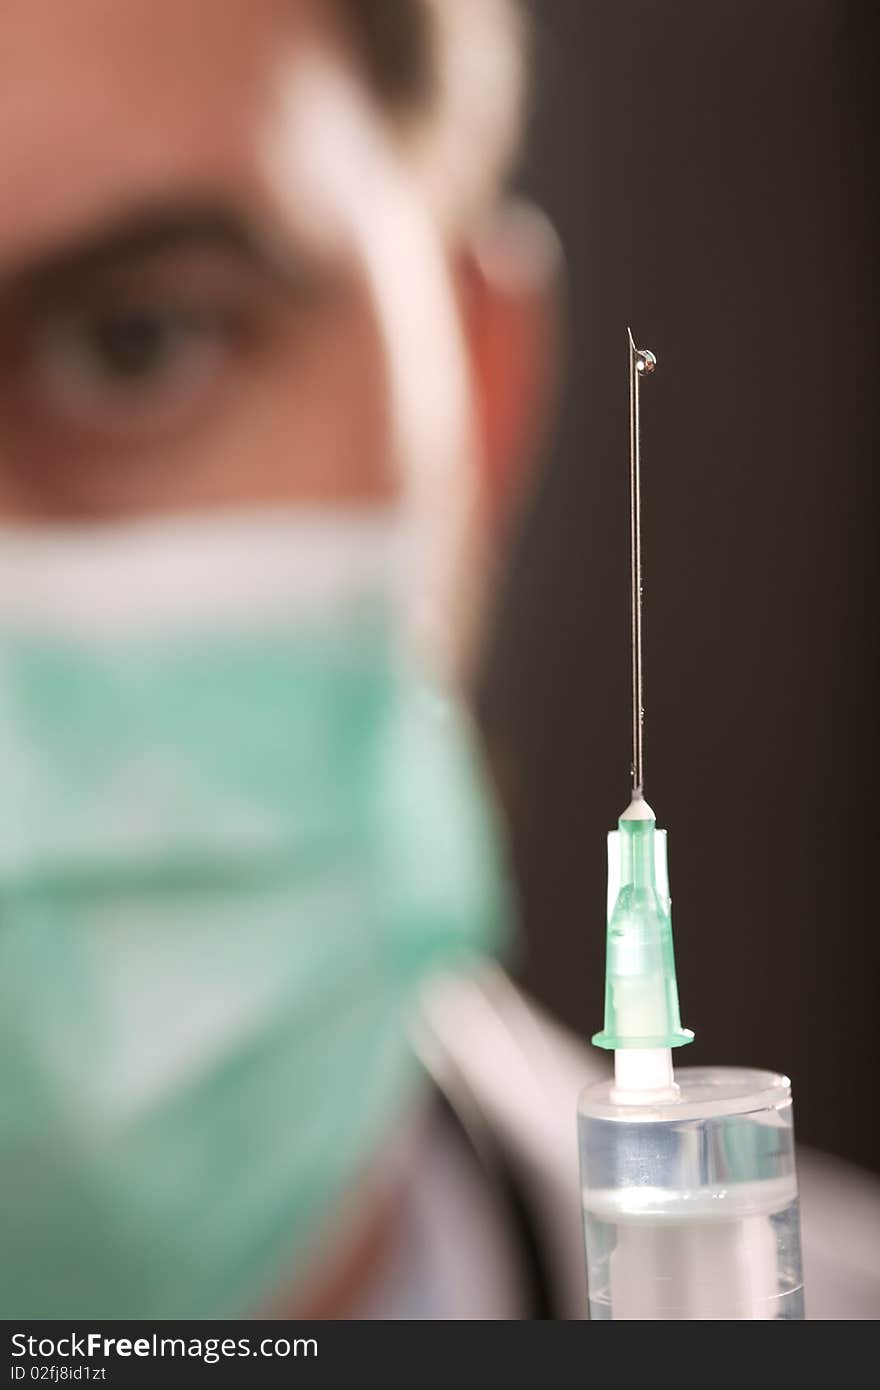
707	167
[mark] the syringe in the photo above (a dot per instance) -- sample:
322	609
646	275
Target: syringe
642	1021
689	1187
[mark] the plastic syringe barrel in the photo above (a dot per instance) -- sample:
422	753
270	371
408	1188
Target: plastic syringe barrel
690	1204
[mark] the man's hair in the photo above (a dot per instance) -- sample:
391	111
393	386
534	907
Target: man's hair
451	74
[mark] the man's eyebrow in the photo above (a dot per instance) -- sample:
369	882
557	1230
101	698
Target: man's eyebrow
143	233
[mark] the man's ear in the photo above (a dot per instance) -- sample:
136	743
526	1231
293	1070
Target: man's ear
511	284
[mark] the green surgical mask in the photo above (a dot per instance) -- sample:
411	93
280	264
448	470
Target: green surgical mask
238	833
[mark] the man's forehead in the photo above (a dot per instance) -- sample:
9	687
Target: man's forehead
105	105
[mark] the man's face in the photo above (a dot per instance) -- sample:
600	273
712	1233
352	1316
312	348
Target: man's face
169	338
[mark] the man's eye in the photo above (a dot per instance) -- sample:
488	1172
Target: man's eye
126	371
123	349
